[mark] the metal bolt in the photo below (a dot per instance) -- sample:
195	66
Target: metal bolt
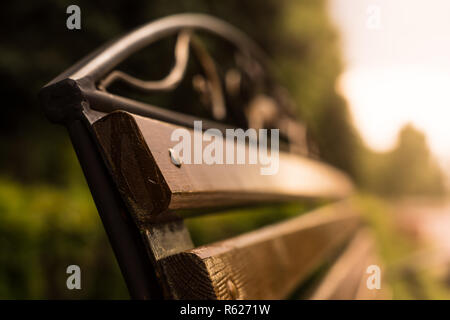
174	157
232	290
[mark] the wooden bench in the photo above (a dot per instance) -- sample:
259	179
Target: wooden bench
143	195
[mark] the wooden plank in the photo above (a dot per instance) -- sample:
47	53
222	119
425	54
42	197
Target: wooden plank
136	151
347	278
344	277
264	264
364	293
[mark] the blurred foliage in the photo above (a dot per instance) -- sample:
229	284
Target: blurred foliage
404	276
43	230
47	218
409	169
221	225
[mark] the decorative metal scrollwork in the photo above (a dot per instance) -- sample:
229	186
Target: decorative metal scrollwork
261	111
169	82
221	88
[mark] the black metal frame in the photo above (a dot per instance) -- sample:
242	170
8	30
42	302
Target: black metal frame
90	71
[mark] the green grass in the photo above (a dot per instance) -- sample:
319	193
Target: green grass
42	231
407	281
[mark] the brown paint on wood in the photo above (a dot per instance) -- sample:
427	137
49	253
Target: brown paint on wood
264	264
136	150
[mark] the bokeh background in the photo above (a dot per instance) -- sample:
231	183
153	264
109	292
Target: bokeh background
47	217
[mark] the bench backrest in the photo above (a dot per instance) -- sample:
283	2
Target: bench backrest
143	192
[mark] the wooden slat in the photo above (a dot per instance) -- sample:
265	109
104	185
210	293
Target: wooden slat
364	293
346	279
264	264
136	151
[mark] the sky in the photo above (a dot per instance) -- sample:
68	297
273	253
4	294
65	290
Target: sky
397	69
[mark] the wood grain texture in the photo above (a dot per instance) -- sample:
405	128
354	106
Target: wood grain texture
264	264
136	152
346	279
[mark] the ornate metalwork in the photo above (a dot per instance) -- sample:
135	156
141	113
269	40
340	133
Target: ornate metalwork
268	107
169	82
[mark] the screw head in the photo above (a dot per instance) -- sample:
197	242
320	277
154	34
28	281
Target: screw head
232	290
174	157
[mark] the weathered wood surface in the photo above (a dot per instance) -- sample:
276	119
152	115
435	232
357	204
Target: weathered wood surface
264	264
347	278
136	150
344	277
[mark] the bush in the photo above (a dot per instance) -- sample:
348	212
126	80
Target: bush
42	231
